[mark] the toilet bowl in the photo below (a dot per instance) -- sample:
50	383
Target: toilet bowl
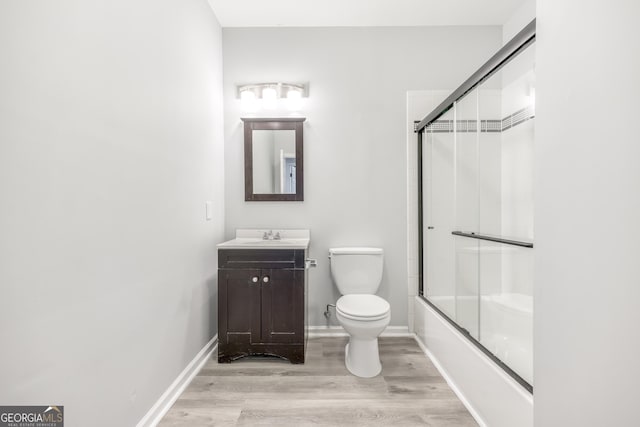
357	273
364	318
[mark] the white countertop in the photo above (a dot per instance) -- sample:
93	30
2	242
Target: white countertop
253	239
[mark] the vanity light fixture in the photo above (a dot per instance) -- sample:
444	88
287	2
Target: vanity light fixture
270	93
269	98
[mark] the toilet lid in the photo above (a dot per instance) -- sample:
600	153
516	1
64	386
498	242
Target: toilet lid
363	306
356	251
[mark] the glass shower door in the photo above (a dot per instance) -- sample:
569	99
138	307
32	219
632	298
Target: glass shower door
466	212
438	189
478	214
506	279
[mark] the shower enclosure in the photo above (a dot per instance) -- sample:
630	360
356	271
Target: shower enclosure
475	204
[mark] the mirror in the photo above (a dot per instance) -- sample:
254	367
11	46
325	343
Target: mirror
273	164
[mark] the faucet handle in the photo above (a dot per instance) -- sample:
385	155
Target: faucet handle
265	236
277	236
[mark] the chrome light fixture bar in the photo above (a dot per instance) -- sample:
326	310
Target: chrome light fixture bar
273	90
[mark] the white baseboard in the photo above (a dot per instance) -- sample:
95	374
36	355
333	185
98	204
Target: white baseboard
451	384
338	331
397	331
168	398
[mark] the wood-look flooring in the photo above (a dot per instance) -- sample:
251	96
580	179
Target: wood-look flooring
320	392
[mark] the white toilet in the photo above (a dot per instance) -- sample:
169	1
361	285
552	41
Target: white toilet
357	273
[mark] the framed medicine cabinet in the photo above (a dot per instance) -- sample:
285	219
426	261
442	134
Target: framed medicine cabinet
273	160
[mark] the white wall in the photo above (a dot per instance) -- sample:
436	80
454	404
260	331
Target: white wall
587	205
110	143
355	159
524	14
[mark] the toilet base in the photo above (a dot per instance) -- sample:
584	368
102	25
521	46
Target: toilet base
361	357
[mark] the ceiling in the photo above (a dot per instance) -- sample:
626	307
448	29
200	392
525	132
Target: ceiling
360	13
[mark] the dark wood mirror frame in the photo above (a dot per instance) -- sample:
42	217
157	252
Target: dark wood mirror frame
285	123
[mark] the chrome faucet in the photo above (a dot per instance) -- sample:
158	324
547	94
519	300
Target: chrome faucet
270	236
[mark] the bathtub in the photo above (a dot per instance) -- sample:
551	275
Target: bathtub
492	396
506	330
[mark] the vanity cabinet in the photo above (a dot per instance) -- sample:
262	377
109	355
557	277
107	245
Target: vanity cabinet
261	303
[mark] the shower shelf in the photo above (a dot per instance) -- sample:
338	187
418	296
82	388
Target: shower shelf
493	239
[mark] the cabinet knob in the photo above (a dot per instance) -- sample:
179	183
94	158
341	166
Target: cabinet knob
255	279
265	279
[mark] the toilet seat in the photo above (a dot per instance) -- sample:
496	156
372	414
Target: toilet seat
363	307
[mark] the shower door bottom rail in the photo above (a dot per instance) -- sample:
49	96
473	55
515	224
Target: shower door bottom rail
493	239
506	368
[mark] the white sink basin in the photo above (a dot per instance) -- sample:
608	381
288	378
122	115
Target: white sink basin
262	242
252	239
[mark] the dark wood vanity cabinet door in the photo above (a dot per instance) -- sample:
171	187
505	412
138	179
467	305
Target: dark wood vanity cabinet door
239	306
261	304
283	306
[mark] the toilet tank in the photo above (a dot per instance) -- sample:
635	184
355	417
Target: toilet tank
356	270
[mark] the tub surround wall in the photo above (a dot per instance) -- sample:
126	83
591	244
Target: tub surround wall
110	144
419	104
355	152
